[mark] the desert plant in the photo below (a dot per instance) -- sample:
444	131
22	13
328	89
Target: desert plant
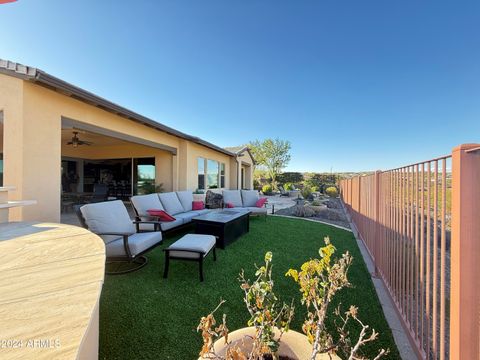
267	189
316	203
331	191
288	186
306	192
266	315
319	280
315	188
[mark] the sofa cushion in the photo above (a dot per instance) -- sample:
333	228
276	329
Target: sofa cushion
171	224
171	203
137	243
187	216
142	203
233	197
108	216
249	197
186	199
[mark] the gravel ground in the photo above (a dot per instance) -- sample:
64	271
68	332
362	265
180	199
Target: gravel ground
331	213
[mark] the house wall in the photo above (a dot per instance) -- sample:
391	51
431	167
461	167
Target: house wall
32	146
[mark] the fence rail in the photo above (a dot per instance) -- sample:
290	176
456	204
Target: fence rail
421	226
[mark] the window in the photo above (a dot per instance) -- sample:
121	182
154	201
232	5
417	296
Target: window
212	174
201	173
222	175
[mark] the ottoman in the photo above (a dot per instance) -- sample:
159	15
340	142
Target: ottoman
191	247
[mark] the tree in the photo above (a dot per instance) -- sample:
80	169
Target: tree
273	155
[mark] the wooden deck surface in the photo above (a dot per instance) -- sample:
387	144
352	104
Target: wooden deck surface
51	277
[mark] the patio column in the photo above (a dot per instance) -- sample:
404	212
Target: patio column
239	173
32	154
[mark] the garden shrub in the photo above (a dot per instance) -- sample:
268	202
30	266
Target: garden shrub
288	186
306	192
267	189
331	191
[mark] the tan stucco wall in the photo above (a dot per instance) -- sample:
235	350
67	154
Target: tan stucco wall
33	149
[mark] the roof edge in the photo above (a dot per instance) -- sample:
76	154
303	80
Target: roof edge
43	78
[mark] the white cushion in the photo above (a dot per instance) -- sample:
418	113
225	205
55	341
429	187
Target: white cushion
109	216
137	243
233	197
249	197
142	203
202	244
187	216
171	224
186	199
170	203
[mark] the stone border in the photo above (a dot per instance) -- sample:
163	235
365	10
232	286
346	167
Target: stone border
307	219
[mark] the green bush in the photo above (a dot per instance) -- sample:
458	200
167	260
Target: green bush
288	186
331	191
315	189
267	189
316	203
306	192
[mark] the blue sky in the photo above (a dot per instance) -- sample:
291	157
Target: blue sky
354	85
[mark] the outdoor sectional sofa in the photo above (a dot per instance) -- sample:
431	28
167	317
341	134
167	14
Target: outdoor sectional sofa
245	199
177	204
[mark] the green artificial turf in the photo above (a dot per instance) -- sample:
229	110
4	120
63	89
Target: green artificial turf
143	316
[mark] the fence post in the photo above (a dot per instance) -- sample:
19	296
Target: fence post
376	219
465	253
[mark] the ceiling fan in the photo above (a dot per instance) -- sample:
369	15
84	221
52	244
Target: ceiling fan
77	142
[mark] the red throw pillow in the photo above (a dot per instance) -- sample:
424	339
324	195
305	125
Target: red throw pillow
198	205
161	214
261	202
229	205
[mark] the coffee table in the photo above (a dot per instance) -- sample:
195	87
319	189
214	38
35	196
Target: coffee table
227	225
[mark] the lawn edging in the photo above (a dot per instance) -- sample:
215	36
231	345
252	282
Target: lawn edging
317	221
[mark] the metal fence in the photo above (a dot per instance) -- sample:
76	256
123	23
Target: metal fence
421	226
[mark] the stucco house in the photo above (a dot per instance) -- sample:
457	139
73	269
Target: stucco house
57	138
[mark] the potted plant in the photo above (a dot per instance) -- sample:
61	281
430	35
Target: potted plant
268	335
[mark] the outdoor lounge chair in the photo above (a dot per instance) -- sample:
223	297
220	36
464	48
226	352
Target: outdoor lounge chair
124	246
283	192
